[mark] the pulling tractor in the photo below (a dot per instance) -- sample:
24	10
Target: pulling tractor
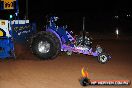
56	39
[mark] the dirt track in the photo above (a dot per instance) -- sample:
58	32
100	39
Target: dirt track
64	71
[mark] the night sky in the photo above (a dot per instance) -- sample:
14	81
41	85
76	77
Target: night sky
100	15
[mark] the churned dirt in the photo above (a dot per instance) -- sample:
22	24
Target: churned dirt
27	71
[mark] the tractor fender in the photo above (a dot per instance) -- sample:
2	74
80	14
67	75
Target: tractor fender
52	31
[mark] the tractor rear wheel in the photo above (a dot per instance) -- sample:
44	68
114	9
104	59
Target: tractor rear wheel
45	45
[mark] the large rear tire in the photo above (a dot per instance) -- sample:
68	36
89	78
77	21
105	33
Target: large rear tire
45	45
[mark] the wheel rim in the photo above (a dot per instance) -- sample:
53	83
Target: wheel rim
103	58
43	47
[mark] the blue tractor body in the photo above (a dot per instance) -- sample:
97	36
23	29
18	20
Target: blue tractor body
16	31
61	32
6	47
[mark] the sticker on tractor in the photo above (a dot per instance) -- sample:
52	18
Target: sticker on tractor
2	22
21	32
2	32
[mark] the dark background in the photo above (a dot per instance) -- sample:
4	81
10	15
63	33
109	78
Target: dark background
100	15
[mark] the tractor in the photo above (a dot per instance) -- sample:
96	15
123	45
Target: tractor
6	40
55	39
11	32
12	29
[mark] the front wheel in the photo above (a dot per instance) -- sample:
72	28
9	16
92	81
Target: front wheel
103	58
